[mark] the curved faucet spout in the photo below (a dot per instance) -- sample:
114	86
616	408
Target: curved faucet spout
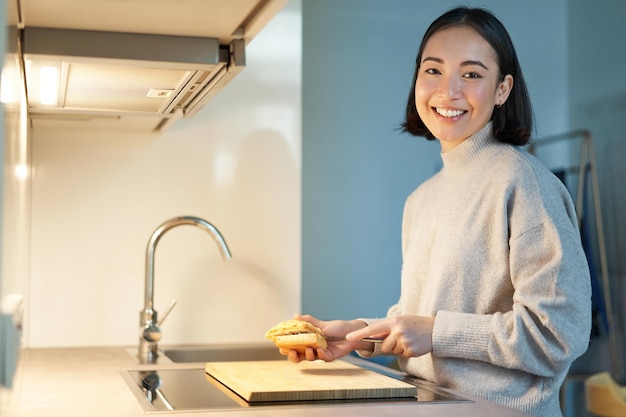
160	231
150	337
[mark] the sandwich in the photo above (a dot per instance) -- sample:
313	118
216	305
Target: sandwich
296	335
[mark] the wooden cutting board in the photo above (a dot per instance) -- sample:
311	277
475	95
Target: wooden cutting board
264	381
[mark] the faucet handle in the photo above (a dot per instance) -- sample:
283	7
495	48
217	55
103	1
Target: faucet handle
167	312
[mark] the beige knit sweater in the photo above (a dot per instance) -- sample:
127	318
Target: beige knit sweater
491	248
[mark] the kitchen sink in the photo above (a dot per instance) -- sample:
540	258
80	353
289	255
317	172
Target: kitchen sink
247	352
211	353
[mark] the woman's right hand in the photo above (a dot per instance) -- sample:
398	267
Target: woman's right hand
337	348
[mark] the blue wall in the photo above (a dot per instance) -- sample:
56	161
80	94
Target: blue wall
598	104
358	60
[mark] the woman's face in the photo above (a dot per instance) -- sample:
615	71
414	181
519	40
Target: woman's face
458	85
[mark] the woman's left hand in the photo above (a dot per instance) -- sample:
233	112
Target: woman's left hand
407	336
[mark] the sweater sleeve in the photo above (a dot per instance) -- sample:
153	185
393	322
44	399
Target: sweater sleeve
550	320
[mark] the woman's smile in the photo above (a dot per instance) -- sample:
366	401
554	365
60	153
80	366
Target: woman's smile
449	113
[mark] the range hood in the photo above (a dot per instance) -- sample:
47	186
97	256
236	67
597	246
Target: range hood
151	79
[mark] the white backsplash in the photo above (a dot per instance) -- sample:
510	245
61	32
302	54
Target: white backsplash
97	197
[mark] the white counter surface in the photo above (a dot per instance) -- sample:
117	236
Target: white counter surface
83	382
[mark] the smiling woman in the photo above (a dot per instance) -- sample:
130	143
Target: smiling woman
494	283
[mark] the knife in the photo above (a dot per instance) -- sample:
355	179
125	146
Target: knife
364	339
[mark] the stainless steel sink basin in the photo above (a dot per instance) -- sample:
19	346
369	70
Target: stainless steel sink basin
229	353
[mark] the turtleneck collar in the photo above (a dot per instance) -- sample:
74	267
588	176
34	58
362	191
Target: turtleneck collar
466	152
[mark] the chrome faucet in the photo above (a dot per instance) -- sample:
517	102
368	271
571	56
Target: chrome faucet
150	333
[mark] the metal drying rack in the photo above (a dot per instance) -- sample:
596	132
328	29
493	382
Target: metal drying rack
586	164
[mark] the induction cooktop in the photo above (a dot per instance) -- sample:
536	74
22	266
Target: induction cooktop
185	390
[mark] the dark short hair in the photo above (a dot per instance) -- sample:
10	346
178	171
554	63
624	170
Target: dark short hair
513	121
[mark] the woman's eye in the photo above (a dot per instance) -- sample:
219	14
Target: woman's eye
432	71
472	75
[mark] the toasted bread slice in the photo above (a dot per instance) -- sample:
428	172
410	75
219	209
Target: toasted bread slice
297	335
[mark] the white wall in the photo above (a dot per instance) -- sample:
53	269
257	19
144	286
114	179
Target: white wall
98	196
359	57
14	201
15	157
3	125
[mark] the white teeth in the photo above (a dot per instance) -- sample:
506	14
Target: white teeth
449	113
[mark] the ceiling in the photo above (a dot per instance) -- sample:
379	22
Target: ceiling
223	19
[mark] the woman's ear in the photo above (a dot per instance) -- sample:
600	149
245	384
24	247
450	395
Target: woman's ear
503	90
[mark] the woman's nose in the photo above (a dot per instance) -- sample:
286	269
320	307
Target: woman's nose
450	87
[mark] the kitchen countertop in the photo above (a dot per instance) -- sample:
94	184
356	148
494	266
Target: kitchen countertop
67	382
